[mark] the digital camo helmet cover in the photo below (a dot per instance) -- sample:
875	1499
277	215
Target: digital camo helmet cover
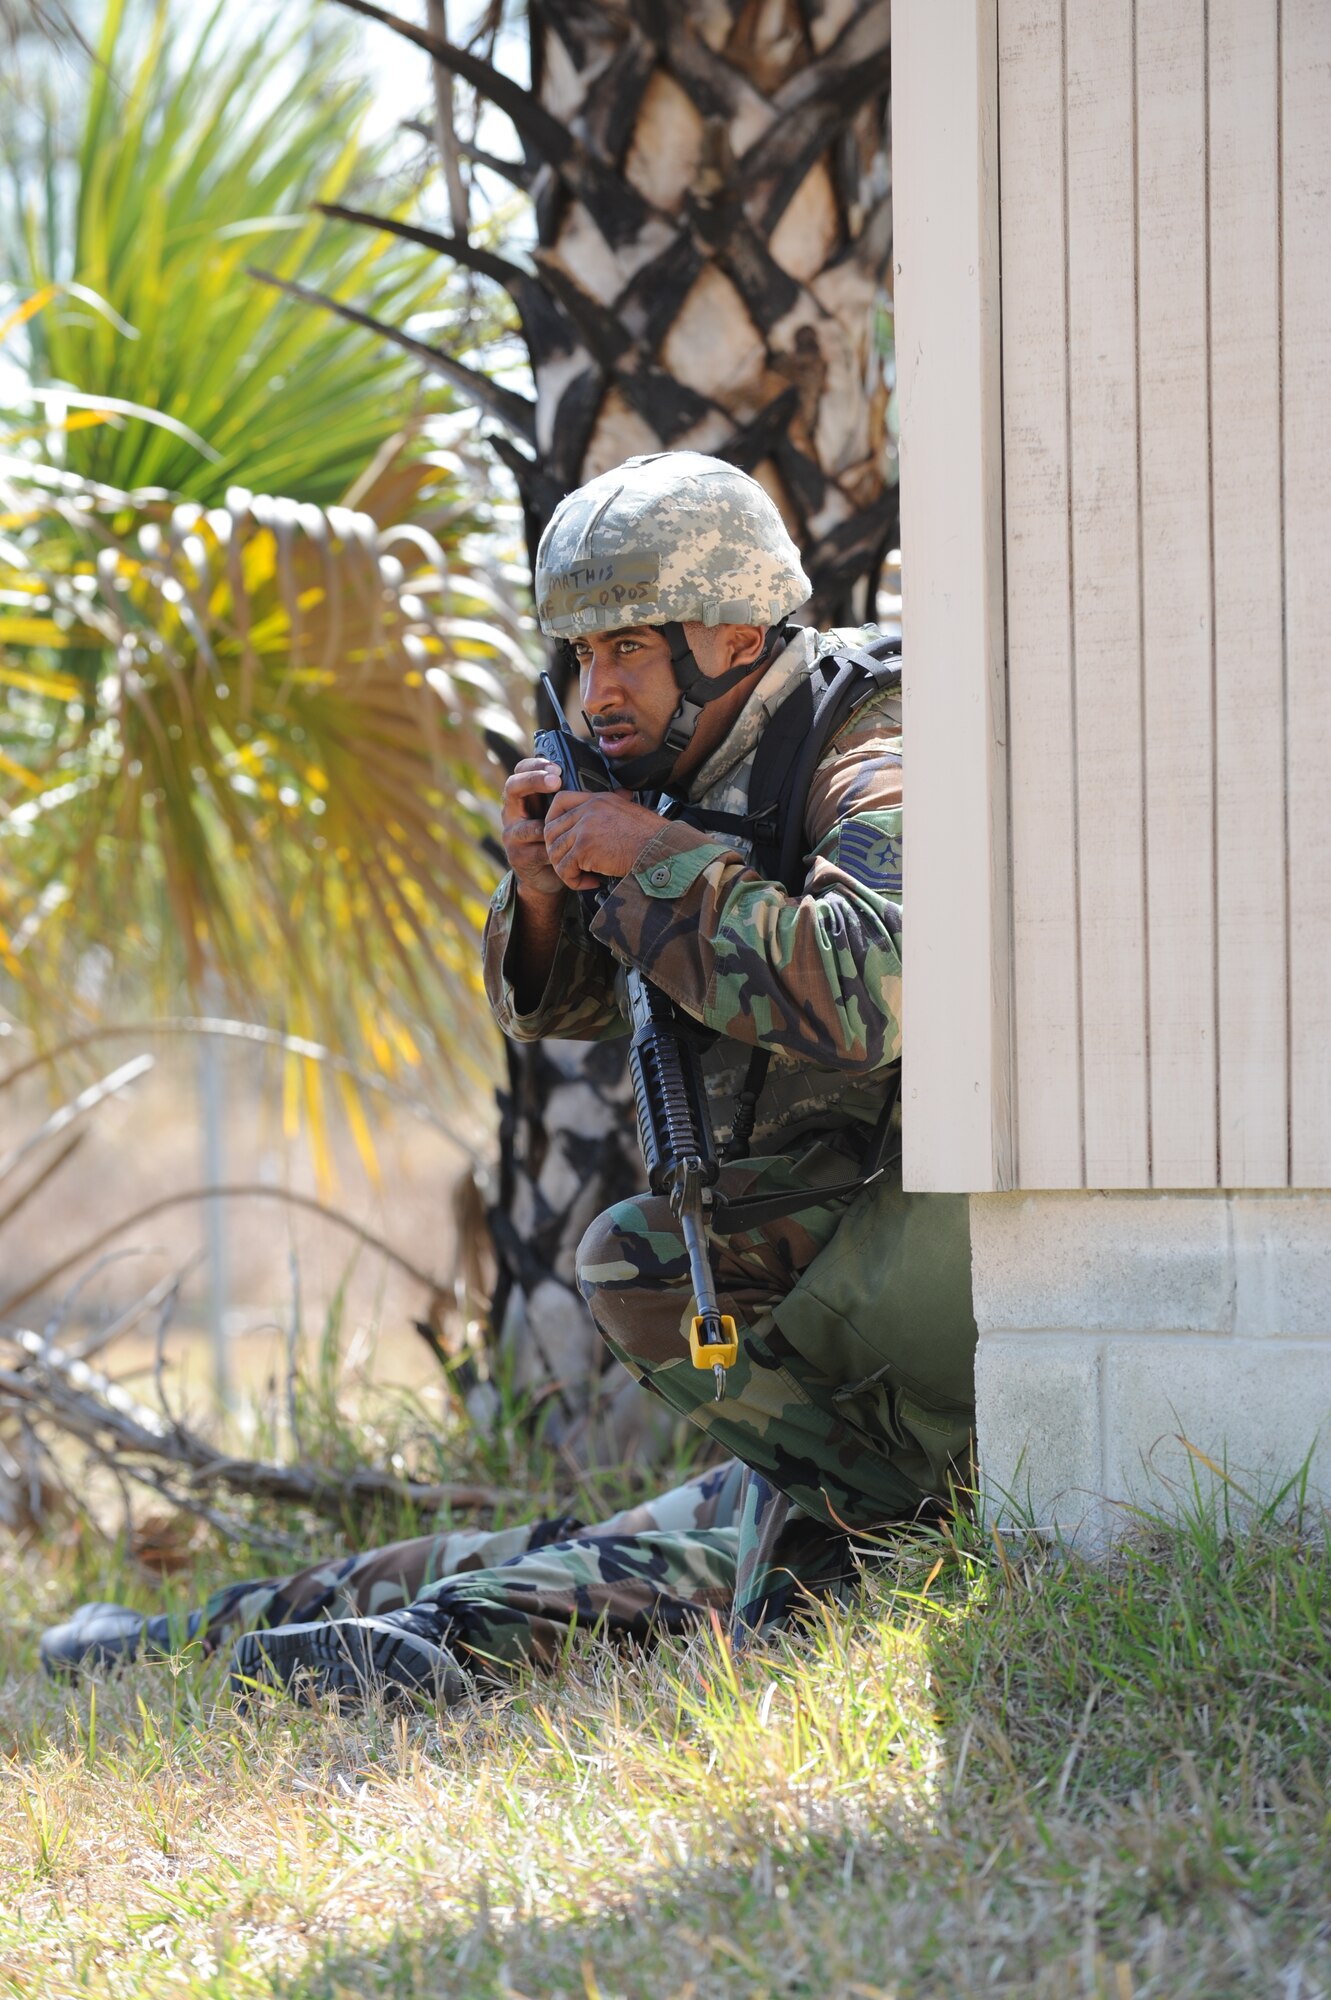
666	537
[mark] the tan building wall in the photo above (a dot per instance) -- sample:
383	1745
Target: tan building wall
1114	336
1113	311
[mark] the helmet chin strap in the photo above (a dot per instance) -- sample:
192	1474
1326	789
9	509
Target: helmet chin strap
696	690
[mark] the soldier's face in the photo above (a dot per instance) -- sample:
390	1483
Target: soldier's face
629	693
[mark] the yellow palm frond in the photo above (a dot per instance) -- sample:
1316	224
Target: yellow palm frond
262	757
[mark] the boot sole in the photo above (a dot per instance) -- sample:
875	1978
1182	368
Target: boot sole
354	1658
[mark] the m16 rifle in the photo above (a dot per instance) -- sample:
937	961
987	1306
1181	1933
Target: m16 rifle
674	1123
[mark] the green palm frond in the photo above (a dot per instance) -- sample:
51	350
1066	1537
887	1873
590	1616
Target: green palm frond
176	168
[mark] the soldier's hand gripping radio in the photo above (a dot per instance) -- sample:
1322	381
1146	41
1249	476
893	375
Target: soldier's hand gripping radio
674	1124
582	768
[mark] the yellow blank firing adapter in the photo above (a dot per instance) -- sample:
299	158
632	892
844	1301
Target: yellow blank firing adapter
713	1341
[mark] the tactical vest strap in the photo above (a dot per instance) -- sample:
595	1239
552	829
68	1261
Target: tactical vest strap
796	741
789	751
749	826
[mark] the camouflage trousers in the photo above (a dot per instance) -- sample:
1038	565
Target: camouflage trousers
505	1600
845	1463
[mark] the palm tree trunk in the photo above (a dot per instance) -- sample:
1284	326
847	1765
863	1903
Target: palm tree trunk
710	184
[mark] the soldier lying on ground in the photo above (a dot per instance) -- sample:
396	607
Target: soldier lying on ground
671	581
443	1614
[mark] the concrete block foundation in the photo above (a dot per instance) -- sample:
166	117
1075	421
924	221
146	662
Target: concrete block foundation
1119	1330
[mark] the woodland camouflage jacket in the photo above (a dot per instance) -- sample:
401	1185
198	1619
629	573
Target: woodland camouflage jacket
816	978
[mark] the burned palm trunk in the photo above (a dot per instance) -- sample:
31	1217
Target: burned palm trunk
710	184
568	1149
718	288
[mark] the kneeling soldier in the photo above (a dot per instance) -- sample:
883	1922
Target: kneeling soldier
749	866
745	858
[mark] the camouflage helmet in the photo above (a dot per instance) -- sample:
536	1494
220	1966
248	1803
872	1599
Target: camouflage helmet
669	536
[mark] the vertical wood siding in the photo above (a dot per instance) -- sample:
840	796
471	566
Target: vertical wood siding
1042	732
1251	914
1165	176
1177	731
958	1117
1305	186
1106	587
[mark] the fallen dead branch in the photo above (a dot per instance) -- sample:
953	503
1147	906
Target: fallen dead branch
55	1393
53	1398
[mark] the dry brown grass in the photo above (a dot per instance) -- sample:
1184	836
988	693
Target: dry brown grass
1051	1781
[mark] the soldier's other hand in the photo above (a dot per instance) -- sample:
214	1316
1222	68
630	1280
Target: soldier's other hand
589	835
527	794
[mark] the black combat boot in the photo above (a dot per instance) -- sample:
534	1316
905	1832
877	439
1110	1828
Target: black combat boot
101	1637
393	1656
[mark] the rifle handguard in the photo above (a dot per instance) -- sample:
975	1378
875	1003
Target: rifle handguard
674	1130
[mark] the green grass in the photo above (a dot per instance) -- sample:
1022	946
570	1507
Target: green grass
995	1774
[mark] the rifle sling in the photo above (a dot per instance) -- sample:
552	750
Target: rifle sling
733	1218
